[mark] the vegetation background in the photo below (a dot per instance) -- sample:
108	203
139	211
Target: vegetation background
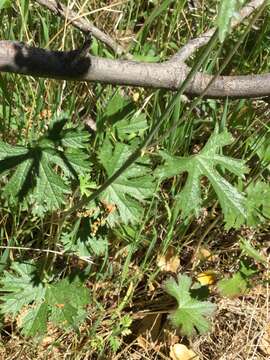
181	236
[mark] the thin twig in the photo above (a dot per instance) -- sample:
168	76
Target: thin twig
48	251
82	24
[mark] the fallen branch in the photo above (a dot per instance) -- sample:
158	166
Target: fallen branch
18	58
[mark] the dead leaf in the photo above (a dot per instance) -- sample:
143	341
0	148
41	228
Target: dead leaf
205	254
181	352
151	287
46	114
207	278
22	314
170	337
142	342
110	208
170	261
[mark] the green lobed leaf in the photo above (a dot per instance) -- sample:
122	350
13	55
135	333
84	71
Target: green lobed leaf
247	269
84	247
131	189
73	162
249	250
79	240
258	203
67	301
191	314
62	303
115	343
74	138
117	108
50	189
18	180
235	286
233	202
86	184
19	288
128	128
35	321
36	175
78	160
7	150
98	245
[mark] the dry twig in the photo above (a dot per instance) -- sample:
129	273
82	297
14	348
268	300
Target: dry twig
82	24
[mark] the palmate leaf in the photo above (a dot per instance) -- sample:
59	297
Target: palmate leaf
240	282
120	112
19	288
234	286
85	247
36	174
7	150
50	189
76	138
67	301
79	240
73	162
131	188
18	181
118	107
258	203
132	126
63	302
233	202
78	160
191	314
35	321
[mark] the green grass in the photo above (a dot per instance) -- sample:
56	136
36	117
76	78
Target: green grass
124	280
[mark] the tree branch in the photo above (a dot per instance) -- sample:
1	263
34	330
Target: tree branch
18	58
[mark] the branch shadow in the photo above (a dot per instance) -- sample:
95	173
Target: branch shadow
46	63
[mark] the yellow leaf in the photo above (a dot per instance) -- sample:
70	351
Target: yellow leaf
142	342
207	278
181	352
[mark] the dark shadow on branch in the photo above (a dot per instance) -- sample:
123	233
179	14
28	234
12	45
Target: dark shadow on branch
39	61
